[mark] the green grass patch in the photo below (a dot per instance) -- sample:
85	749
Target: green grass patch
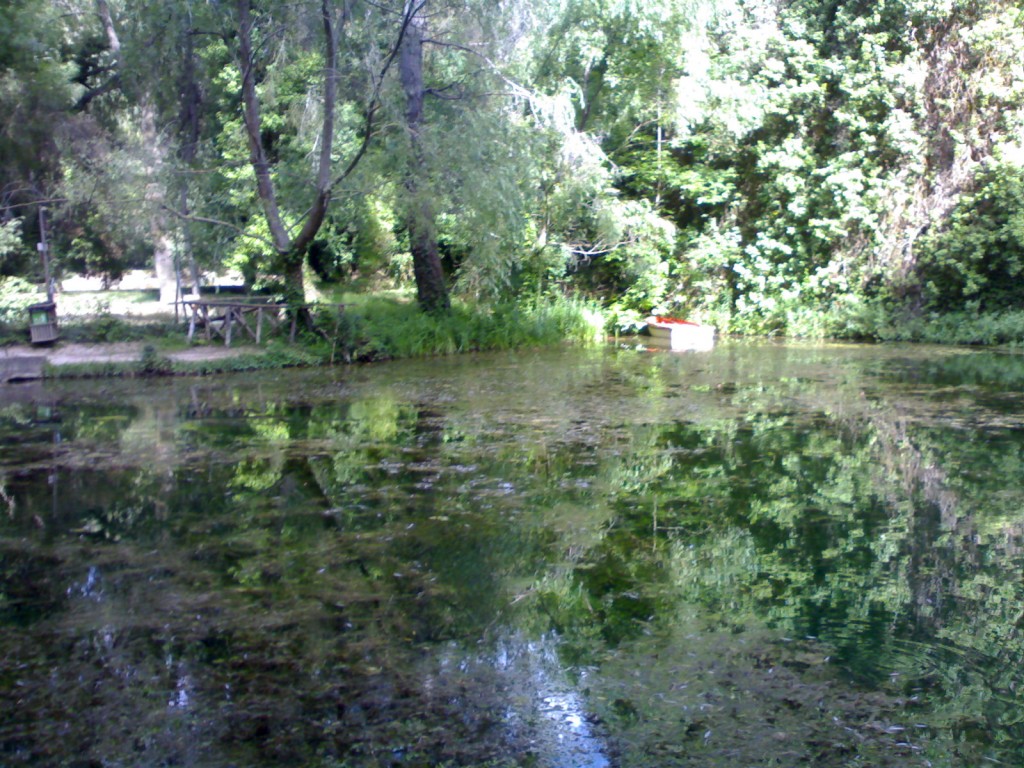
974	328
111	329
370	328
385	328
854	319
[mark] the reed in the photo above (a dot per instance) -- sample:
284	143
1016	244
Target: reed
385	328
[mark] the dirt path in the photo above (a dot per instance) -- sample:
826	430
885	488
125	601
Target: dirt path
26	362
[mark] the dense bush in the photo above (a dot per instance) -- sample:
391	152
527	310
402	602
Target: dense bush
977	258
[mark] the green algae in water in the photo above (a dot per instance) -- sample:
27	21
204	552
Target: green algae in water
762	555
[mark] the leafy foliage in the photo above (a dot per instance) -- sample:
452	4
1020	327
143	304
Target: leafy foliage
15	296
977	258
385	328
797	169
11	246
36	90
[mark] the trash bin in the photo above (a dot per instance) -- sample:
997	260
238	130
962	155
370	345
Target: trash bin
42	322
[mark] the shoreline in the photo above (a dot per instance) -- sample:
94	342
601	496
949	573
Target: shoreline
23	362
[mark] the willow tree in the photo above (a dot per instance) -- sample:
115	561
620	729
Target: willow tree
291	238
290	245
623	63
477	140
175	75
420	215
113	148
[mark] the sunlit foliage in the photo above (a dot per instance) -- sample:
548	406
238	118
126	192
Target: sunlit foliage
808	169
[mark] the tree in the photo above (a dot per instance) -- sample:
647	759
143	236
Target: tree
36	92
290	247
420	216
291	242
622	61
827	146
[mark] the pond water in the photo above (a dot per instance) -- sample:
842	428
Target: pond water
761	555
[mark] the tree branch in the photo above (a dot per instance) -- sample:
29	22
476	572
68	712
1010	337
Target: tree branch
374	103
114	46
517	89
93	93
207	220
251	117
317	212
440	93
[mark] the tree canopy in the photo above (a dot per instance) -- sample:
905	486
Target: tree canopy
796	167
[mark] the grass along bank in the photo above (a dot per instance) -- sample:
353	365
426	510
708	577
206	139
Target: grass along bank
371	328
385	328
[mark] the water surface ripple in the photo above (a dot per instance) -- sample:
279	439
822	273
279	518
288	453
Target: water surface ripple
766	554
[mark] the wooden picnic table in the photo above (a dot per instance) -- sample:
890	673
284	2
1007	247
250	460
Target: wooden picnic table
246	315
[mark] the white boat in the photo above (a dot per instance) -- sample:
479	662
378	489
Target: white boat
680	335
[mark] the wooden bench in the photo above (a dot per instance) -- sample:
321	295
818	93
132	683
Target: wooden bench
247	315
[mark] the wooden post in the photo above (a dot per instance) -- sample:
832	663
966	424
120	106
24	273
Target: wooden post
44	251
227	322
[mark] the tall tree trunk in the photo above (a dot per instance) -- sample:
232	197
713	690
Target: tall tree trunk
163	262
291	252
154	151
159	230
420	216
107	20
253	128
189	128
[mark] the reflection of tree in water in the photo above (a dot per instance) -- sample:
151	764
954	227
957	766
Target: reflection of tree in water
265	627
316	562
276	669
847	530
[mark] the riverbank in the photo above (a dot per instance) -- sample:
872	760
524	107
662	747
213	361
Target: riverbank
371	329
26	363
